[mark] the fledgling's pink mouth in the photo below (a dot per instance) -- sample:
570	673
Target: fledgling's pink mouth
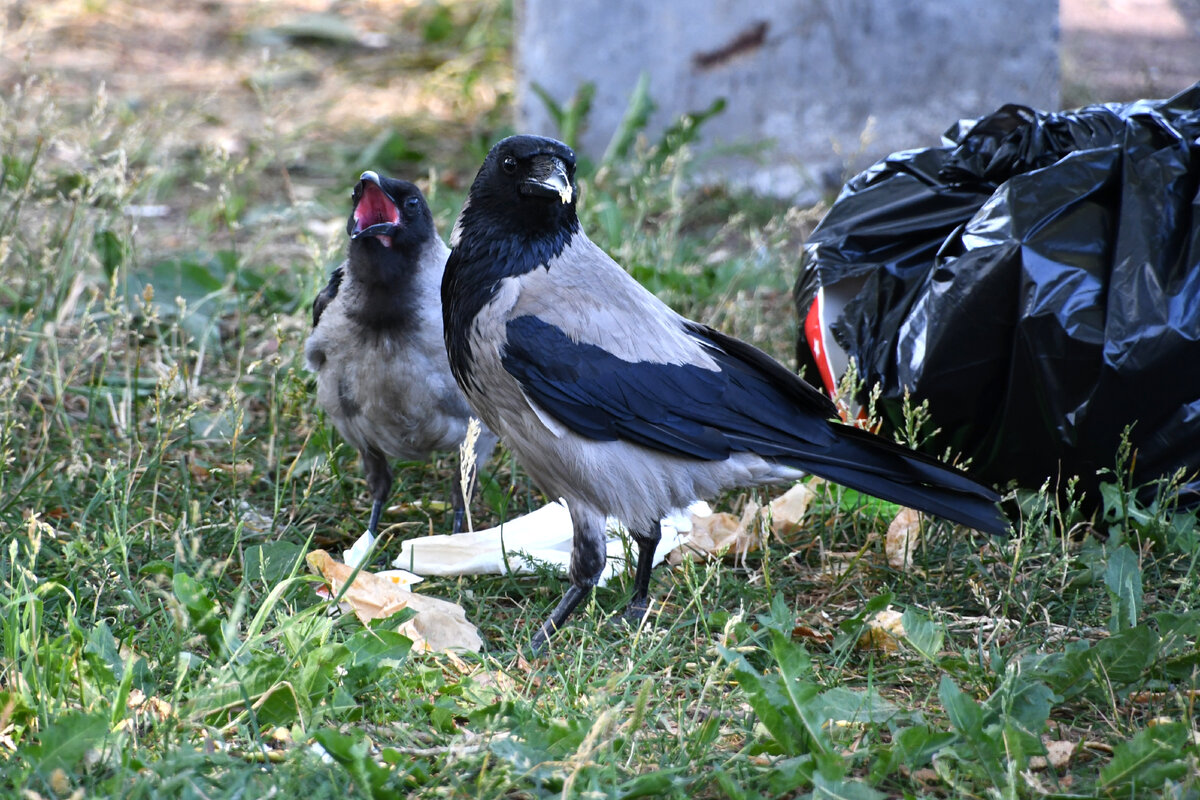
375	215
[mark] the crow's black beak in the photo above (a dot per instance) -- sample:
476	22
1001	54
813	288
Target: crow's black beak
548	178
381	229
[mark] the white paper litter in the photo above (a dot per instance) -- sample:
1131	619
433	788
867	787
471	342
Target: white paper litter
541	537
358	553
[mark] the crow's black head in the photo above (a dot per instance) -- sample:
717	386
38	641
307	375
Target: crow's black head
519	216
389	214
526	187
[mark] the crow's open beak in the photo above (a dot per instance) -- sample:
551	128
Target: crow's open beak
548	178
375	214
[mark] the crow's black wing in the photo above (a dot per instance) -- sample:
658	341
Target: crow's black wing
326	295
749	403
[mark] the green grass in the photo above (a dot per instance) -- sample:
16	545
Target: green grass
163	471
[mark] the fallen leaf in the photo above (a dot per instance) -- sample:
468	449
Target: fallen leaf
1058	754
884	631
439	624
802	631
903	536
926	776
788	510
722	534
710	536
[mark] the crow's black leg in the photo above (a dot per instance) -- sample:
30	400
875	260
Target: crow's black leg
571	600
379	483
640	603
587	564
376	510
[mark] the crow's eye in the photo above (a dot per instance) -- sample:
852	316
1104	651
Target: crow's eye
509	164
411	206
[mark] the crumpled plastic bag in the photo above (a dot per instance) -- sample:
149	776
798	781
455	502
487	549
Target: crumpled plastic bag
1036	279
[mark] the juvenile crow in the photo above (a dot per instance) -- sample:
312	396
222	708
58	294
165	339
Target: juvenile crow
615	402
376	345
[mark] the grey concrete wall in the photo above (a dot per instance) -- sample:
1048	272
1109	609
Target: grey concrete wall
825	86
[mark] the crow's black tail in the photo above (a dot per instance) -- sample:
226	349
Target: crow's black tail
889	471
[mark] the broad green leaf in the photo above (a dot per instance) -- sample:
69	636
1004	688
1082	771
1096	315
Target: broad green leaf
1123	577
1023	700
272	562
111	249
968	719
925	636
637	115
106	655
201	610
654	784
62	743
843	789
773	707
1121	659
965	714
1150	757
910	747
354	755
1176	631
840	704
789	774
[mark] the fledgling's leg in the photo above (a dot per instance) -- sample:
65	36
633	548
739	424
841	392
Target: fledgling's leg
484	446
647	542
379	484
587	563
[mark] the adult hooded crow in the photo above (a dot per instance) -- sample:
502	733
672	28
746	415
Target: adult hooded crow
618	404
376	345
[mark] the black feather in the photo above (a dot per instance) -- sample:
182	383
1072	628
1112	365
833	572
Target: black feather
326	295
751	403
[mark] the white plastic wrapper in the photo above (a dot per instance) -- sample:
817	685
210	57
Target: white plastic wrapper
540	537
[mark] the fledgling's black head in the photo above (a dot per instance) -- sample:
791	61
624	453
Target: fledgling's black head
388	215
390	229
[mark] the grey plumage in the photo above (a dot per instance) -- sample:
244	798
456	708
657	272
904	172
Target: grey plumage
613	401
376	346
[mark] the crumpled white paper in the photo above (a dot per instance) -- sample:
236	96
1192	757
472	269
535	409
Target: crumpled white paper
540	537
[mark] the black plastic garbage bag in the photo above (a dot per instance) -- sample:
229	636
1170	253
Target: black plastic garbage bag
1037	280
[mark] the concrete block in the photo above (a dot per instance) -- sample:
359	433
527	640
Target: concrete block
818	89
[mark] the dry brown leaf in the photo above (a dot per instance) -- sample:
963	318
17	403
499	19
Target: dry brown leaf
788	510
884	631
1058	754
926	776
724	534
802	631
710	537
439	624
903	536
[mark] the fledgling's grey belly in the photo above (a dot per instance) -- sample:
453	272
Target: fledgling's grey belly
405	411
